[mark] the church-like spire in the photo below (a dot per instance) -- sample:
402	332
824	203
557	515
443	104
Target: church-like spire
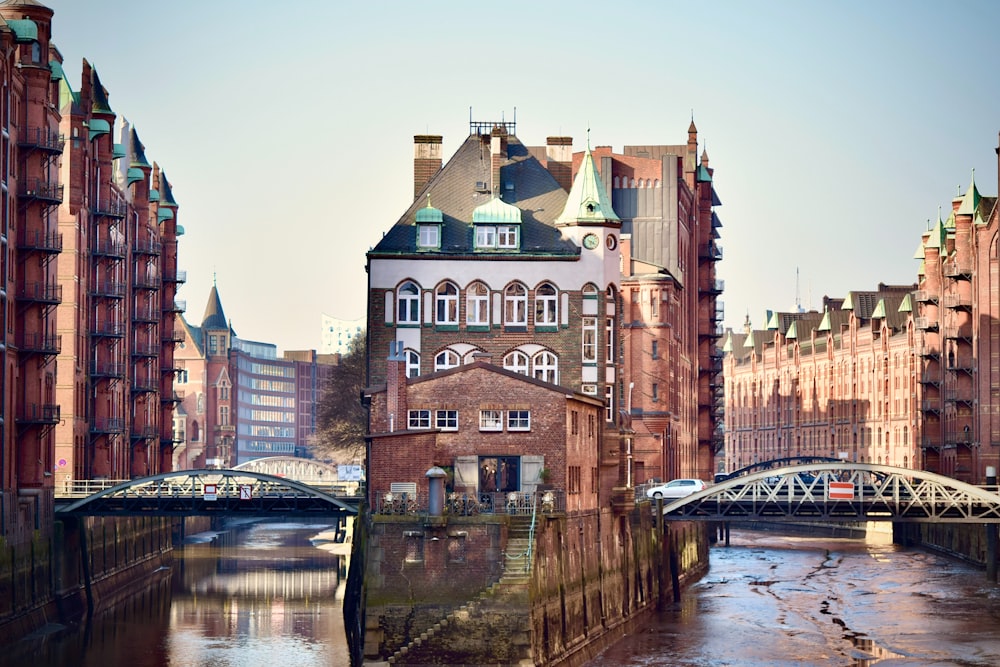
587	201
215	317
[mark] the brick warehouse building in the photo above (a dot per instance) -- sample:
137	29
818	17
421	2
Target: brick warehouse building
90	234
903	375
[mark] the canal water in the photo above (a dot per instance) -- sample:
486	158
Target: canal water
779	600
261	594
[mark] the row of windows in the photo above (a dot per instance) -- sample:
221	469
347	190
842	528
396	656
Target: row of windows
514	307
267	385
267	415
489	420
487	237
271	401
542	365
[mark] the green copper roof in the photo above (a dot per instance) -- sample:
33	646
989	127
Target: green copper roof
496	210
792	332
728	345
906	305
935	238
970	202
848	302
772	321
587	201
134	175
703	175
180	230
430	214
98	126
154	194
879	311
25	31
164	214
919	254
138	152
57	70
117	151
825	324
101	104
166	195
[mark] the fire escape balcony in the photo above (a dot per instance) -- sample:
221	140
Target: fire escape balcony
145	385
43	139
41	292
958	270
110	209
958	302
925	296
147	247
925	323
107	369
146	315
929	353
930	442
107	425
36	343
711	251
173	336
35	189
175	276
172	399
176	306
146	350
146	281
41	241
715	287
958	396
144	433
958	333
39	414
930	405
931	377
108	289
108	329
961	364
108	248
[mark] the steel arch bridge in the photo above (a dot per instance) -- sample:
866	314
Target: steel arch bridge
839	492
292	467
210	493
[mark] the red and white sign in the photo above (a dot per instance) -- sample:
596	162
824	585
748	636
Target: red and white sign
246	492
210	492
840	491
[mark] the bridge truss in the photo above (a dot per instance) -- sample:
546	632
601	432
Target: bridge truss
818	492
210	493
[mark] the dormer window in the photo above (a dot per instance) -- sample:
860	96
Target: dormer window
507	237
428	236
504	237
486	236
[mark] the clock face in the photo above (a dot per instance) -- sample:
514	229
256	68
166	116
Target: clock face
611	242
590	241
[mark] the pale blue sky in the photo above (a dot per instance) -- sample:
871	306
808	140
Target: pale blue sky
836	129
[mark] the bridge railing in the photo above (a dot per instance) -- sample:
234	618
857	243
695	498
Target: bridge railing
81	488
469	504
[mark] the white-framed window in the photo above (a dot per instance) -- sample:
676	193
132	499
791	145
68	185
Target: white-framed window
477	304
545	367
223	415
486	236
408	301
589	350
609	403
412	364
507	236
429	236
491	420
446	420
446	359
446	310
515	305
518	420
417	419
545	305
609	340
517	362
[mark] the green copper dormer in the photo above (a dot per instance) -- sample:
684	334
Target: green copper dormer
497	226
792	333
117	151
166	195
970	202
919	254
98	127
728	345
588	202
906	305
57	70
154	194
429	221
879	312
848	302
100	102
496	211
180	230
772	321
25	30
937	236
825	325
703	176
134	175
138	153
164	214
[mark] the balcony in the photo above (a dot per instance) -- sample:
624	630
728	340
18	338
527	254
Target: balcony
925	296
108	248
958	333
107	425
176	306
174	336
175	276
931	377
958	270
925	324
39	413
146	350
146	315
36	343
172	399
715	287
958	301
40	292
711	252
147	247
107	369
146	281
145	433
961	363
109	209
958	396
145	385
41	241
930	442
930	405
43	139
108	329
35	189
108	289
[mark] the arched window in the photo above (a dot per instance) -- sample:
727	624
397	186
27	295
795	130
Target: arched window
545	305
477	304
517	362
615	186
194	431
409	304
446	311
412	364
446	359
515	305
545	366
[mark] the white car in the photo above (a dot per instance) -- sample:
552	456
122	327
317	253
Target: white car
677	488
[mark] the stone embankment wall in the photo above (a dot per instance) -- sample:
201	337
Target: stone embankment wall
456	591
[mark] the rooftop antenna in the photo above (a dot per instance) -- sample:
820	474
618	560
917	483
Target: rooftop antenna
798	300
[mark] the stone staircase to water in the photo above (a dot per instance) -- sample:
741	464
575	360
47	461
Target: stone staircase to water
511	587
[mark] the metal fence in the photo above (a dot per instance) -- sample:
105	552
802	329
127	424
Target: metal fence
469	504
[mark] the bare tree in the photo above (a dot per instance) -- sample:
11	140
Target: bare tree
341	419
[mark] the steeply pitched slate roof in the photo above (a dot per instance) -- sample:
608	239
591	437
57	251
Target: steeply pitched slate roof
215	317
453	191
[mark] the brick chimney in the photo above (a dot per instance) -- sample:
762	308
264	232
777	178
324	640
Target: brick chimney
559	155
395	387
426	159
498	155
